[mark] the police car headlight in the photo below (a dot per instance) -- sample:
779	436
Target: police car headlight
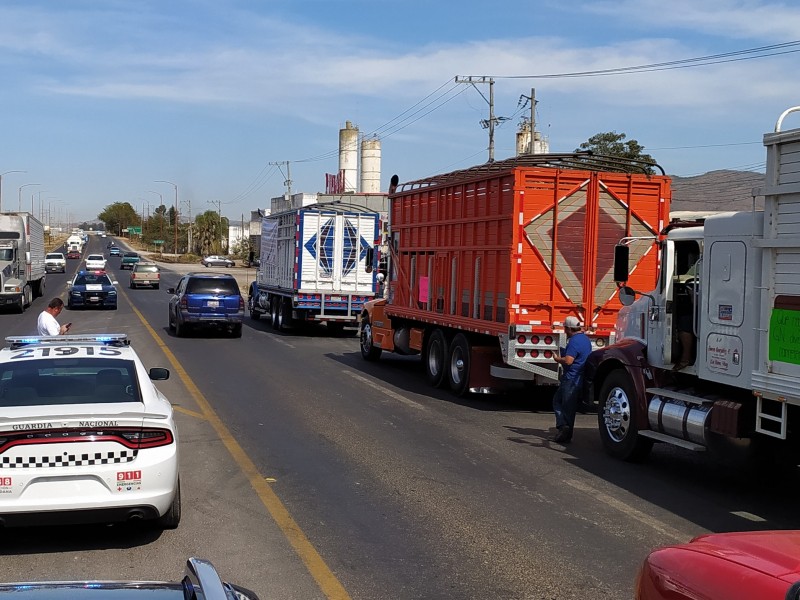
112	293
75	293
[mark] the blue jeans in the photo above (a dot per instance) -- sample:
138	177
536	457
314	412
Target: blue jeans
565	403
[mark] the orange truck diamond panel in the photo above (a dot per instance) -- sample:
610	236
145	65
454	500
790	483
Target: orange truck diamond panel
523	245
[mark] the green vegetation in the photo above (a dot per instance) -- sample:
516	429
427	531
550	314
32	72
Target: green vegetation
611	144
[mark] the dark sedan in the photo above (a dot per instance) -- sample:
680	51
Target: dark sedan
92	288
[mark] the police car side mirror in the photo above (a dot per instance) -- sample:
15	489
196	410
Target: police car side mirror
158	374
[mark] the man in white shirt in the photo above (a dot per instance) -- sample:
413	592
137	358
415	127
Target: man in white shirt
47	324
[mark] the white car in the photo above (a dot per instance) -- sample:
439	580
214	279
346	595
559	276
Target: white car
86	435
95	262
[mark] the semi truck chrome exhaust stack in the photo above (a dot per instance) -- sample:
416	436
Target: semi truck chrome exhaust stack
679	419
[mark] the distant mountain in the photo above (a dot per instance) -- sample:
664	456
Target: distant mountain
717	190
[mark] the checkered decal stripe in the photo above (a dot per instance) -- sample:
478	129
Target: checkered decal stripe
68	460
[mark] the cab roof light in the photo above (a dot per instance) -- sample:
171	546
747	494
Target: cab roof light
109	339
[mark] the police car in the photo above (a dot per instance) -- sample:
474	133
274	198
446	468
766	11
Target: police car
85	436
92	288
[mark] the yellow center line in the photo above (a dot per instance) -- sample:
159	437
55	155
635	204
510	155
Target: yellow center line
316	566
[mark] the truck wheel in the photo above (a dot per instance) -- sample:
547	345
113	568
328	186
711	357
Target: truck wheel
284	316
251	305
435	357
28	294
368	349
273	313
616	419
458	365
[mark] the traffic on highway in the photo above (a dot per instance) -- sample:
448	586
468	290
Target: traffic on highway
307	472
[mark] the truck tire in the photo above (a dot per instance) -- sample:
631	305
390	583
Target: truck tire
458	365
27	293
284	314
368	349
273	312
616	419
435	358
255	315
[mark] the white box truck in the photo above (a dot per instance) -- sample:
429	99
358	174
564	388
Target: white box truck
313	266
22	259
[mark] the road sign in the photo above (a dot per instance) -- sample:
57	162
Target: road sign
158	242
137	229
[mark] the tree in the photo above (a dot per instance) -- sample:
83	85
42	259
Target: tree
118	216
611	144
210	233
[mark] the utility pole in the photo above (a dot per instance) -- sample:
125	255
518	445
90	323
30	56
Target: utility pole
492	121
288	177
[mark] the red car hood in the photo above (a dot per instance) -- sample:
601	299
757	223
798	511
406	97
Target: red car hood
756	565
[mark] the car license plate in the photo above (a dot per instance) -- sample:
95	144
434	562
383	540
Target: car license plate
145	281
94	299
213	303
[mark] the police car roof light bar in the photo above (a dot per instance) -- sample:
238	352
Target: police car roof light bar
111	339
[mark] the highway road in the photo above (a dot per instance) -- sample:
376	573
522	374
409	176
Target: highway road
310	473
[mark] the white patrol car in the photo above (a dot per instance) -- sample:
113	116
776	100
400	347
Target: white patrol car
85	436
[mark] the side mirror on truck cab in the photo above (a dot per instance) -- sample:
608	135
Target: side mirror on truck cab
370	258
621	258
626	295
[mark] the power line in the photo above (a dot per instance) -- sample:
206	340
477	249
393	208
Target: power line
700	61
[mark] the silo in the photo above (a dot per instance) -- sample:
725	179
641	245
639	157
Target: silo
348	157
371	166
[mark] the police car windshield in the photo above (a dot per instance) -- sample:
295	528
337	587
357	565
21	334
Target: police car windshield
60	381
92	278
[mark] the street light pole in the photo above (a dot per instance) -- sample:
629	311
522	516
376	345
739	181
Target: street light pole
39	197
175	185
20	193
1	186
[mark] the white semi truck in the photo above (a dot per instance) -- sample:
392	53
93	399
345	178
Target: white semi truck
732	283
22	259
313	266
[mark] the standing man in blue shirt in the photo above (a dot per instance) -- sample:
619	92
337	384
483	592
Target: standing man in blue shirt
572	359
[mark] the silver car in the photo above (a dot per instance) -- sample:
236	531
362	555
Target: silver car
217	261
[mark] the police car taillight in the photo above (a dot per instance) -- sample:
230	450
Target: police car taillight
149	438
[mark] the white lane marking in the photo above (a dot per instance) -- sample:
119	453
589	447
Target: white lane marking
749	516
281	341
631	512
383	390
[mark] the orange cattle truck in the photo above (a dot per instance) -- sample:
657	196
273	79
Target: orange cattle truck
483	265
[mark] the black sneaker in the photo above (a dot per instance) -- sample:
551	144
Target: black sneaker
564	435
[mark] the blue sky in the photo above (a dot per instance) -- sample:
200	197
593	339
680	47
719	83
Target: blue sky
102	98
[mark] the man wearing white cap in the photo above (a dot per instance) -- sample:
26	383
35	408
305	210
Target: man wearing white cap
572	359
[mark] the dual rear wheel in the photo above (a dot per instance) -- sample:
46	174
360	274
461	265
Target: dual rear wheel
447	362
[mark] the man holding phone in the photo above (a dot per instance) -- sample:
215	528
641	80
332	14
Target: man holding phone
47	324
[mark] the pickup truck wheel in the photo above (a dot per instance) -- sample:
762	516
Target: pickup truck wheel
170	322
459	365
236	330
435	357
616	419
368	349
